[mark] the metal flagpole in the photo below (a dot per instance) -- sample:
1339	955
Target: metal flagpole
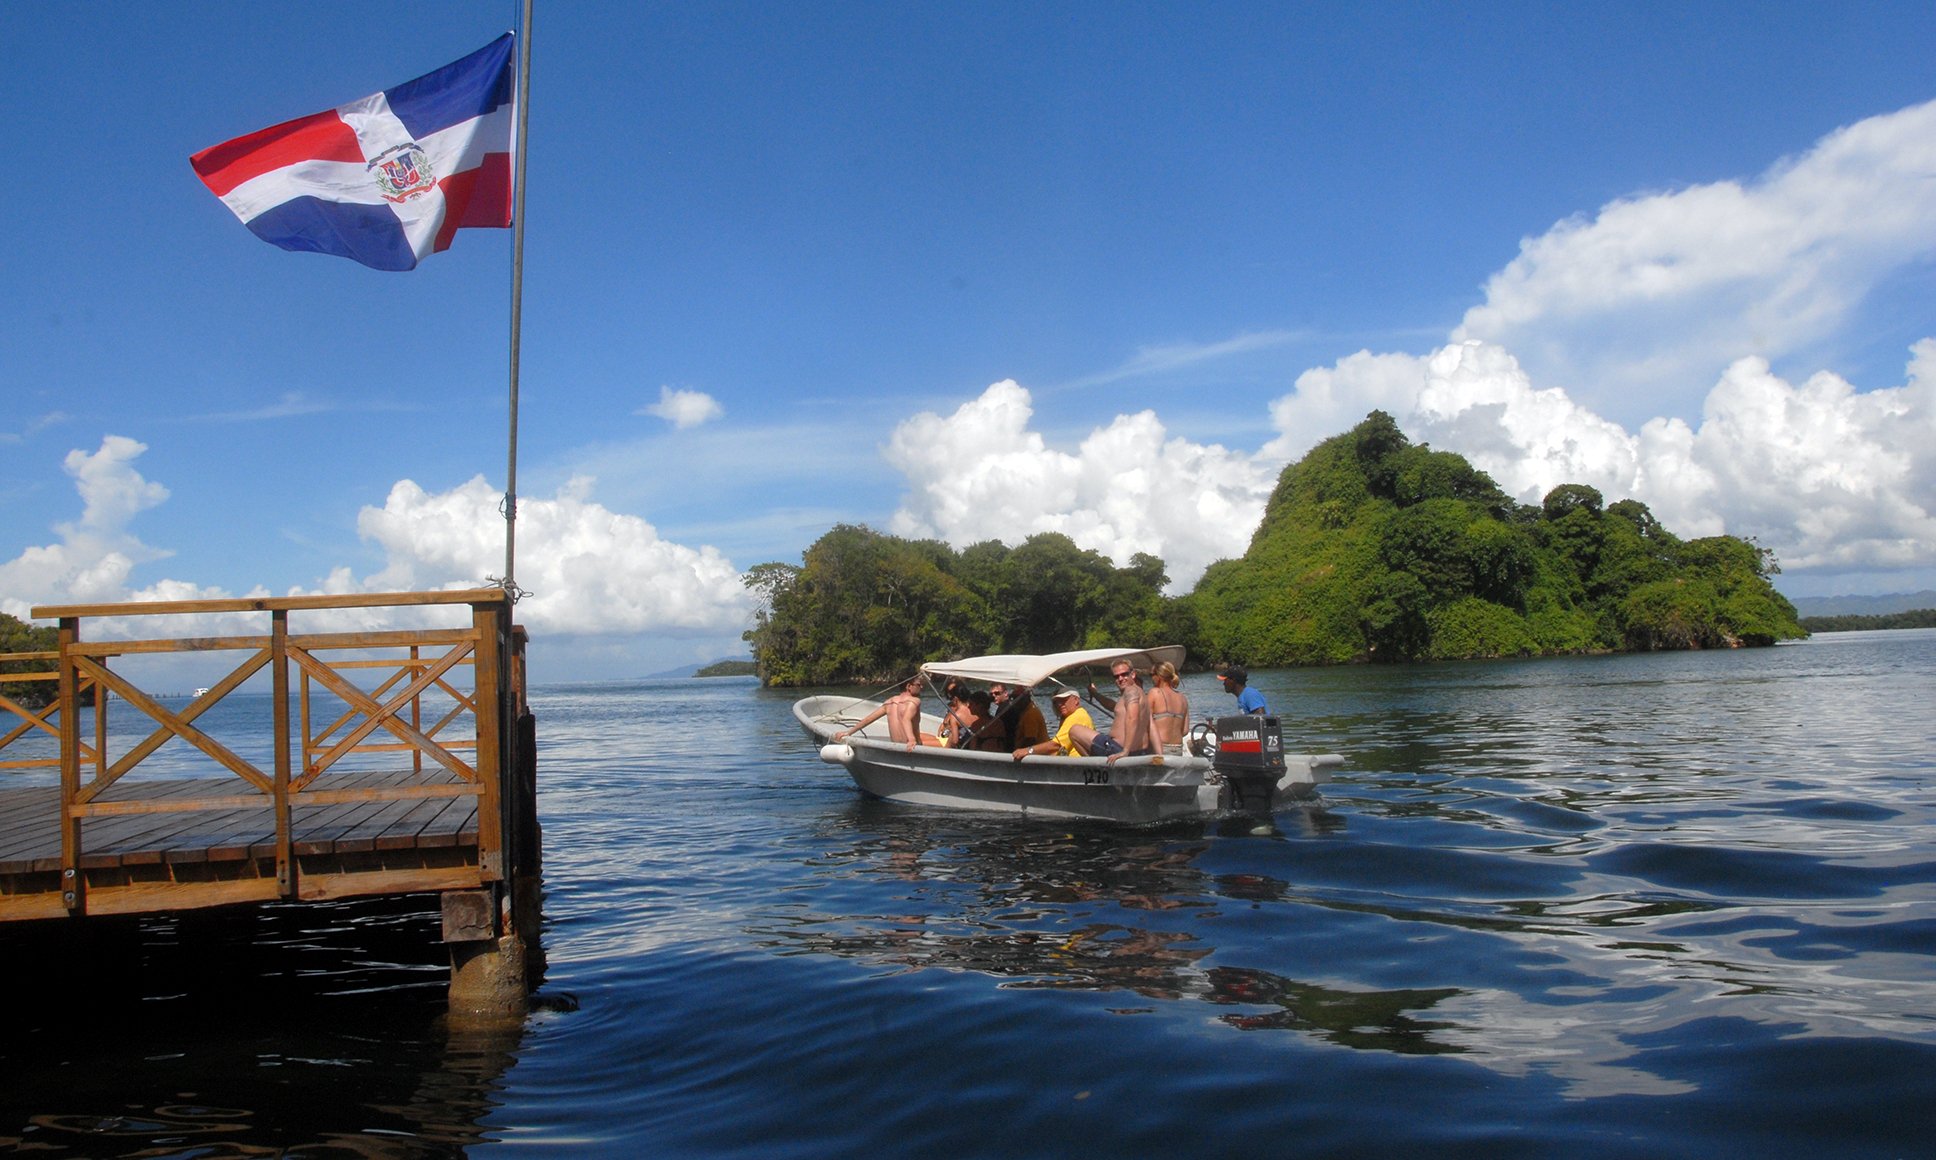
517	304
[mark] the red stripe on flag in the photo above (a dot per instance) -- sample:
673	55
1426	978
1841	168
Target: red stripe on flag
318	137
476	197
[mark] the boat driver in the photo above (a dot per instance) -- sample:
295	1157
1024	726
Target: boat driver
1236	682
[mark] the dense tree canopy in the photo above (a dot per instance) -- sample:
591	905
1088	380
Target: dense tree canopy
1375	548
868	608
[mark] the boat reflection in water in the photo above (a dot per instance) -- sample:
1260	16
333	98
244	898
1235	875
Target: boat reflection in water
1086	910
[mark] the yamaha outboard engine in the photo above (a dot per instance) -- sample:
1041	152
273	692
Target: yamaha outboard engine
1250	756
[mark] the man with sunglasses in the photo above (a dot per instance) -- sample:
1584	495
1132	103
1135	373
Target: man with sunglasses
1131	735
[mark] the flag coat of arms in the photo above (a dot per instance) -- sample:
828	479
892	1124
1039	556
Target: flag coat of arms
387	180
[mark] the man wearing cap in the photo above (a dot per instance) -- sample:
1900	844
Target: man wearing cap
1235	682
1068	706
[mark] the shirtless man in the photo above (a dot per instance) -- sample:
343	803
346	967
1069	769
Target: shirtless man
1132	733
903	713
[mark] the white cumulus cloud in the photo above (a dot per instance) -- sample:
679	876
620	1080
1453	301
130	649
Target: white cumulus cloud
980	473
683	408
1832	479
96	553
1639	306
589	569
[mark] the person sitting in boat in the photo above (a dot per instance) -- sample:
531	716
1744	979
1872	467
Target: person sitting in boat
959	721
1236	683
1131	736
1169	710
903	713
1069	708
985	733
1022	723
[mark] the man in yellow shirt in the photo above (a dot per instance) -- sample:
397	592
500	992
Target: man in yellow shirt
1069	708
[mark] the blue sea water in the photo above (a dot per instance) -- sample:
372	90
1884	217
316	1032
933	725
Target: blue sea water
1668	905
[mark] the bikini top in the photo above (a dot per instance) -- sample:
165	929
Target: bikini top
1172	714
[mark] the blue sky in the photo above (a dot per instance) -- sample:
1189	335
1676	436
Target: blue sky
965	270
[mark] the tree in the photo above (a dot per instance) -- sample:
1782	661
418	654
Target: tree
1053	593
867	608
17	636
1393	618
1428	540
1571	497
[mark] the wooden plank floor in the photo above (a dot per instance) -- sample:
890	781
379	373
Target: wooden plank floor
30	824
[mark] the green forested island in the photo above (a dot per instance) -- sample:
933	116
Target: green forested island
1371	548
1375	548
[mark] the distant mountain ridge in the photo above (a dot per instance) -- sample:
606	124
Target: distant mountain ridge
1864	605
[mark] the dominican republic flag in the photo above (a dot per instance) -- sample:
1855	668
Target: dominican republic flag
386	180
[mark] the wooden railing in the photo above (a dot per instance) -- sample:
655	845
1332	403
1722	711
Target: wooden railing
28	722
458	736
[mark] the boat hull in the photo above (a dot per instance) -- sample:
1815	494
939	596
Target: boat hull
1133	789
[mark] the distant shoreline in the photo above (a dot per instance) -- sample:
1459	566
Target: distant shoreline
729	669
1916	618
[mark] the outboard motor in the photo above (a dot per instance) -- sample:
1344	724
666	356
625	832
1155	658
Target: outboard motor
1250	755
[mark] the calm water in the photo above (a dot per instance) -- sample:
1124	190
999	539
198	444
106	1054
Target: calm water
1636	906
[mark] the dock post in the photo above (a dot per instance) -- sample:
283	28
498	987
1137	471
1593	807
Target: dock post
487	975
492	933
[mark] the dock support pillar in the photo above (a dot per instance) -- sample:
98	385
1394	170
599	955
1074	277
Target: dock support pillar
488	972
487	980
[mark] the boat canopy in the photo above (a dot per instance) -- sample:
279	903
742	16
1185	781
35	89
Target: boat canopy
1029	669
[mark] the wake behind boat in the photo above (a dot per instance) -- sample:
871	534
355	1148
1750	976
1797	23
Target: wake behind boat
1241	764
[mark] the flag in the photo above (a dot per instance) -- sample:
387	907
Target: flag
386	180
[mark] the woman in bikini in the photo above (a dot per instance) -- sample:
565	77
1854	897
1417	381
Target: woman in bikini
1169	709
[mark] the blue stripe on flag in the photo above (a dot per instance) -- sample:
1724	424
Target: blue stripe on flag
456	92
369	234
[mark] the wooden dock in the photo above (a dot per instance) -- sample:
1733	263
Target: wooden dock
344	842
398	761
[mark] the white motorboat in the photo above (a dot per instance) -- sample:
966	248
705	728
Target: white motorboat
1241	764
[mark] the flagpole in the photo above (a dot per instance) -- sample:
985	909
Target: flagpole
517	305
